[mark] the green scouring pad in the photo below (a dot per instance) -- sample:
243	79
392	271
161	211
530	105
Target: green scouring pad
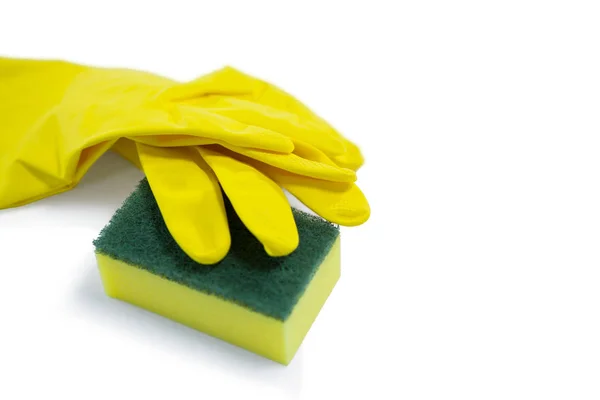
261	303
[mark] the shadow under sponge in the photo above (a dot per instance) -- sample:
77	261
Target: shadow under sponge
261	303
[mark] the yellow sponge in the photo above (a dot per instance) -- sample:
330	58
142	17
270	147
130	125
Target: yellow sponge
263	304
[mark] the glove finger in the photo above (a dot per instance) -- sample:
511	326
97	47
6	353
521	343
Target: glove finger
313	133
341	203
309	152
173	140
259	202
291	125
298	165
338	202
190	200
352	158
218	127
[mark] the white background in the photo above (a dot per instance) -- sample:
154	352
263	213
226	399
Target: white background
478	274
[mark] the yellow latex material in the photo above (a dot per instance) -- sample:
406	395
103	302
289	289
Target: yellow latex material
228	90
254	189
322	169
190	200
338	202
263	335
259	202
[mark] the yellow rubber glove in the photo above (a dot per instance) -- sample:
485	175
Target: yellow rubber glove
57	118
195	216
228	91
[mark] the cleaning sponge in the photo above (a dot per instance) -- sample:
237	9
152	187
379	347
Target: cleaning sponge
261	303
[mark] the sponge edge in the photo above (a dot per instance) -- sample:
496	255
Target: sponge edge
233	323
263	304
